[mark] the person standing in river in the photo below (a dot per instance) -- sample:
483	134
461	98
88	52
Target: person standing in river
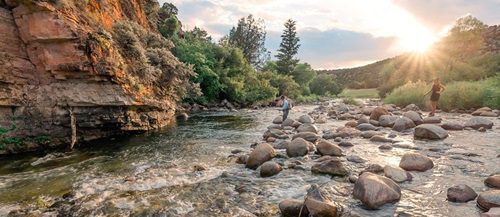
436	90
285	107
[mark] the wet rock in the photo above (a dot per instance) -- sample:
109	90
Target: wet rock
432	120
379	138
488	114
373	168
305	119
276	133
481	129
385	147
367	111
292	208
489	199
270	139
374	191
320	120
370	133
262	153
290	123
387	120
281	144
307	128
242	159
402	124
397	174
319	208
493	181
355	159
325	147
278	120
337	139
366	127
345	144
430	131
275	126
199	167
351	124
461	194
297	148
269	168
377	112
452	126
353	178
332	167
308	136
415	162
392	135
481	110
374	123
494	212
363	120
411	107
414	116
236	151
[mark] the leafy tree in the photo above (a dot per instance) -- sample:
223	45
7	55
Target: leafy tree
284	83
325	84
167	10
250	36
170	27
289	47
465	38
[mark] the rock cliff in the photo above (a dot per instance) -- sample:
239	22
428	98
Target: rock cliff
65	60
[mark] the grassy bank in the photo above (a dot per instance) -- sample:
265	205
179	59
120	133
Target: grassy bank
359	93
458	95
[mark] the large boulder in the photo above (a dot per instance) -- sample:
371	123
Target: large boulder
375	191
307	128
415	162
452	126
482	110
290	123
370	133
367	110
411	107
461	194
262	153
325	147
292	208
414	116
377	112
306	119
478	122
430	131
493	181
494	212
317	205
387	120
308	136
276	133
297	148
363	120
269	168
432	120
332	167
489	199
278	120
402	124
397	174
366	127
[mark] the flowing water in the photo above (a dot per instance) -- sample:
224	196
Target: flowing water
160	173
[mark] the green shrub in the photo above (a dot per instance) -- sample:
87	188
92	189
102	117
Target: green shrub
308	98
324	84
411	92
350	101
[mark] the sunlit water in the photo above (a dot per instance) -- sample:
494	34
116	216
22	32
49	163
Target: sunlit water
154	174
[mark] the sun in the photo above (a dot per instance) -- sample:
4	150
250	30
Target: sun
419	41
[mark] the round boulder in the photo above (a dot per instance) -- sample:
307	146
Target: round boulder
387	120
308	136
292	208
380	138
489	199
415	162
432	120
351	124
366	127
325	147
377	112
290	123
414	116
374	191
332	167
478	122
269	168
403	123
306	119
278	120
297	148
307	128
452	126
430	131
262	153
461	194
397	174
493	181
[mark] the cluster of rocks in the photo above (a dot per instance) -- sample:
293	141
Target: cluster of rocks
376	185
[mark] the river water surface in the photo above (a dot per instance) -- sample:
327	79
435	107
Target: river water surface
160	173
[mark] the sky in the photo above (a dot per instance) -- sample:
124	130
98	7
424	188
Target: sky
341	33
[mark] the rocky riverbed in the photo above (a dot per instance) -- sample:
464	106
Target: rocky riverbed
328	159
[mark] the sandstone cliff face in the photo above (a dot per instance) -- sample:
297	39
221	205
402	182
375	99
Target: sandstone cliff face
58	59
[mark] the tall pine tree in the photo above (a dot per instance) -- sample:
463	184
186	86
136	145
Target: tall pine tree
289	47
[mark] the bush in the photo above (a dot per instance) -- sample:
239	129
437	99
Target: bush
324	84
308	98
457	95
284	83
350	101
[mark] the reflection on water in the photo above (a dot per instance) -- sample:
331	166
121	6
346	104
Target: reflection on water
154	173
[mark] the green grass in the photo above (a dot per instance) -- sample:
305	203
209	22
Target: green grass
360	93
308	99
457	95
350	101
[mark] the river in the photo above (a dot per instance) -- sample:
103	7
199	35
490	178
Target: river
185	170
